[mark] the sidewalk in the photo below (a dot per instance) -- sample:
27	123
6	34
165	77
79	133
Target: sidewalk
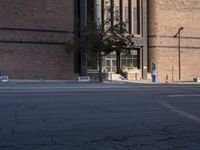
12	81
73	84
150	82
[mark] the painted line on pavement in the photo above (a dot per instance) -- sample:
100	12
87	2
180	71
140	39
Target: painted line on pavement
192	95
180	112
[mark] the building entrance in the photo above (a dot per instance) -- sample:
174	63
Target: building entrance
130	61
110	65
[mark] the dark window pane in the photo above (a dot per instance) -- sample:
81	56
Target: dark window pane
135	63
113	62
123	63
92	61
108	62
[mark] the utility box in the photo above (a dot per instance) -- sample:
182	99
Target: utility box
83	78
196	80
3	78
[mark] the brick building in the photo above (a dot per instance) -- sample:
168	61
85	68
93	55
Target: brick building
165	17
32	34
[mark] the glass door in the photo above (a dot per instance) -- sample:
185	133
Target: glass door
110	65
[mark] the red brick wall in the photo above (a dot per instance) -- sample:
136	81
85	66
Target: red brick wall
34	54
43	14
35	62
165	17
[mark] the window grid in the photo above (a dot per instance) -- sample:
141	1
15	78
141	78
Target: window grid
129	12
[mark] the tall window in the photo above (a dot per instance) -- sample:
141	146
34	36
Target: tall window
126	19
99	11
136	16
109	10
107	14
116	11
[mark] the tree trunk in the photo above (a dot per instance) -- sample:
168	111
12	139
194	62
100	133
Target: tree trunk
118	62
100	69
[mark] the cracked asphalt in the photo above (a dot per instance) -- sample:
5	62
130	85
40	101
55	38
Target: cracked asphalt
100	117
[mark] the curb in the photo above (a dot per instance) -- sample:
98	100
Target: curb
16	81
42	81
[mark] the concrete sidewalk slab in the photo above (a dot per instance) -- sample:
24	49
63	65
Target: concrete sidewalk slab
23	84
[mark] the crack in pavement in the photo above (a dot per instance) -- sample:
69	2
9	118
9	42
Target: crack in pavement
120	139
1	129
27	145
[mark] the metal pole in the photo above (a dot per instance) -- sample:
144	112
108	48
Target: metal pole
179	54
178	35
172	71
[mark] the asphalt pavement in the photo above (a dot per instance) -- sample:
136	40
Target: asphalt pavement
99	116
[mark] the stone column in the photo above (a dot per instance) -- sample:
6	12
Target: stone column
145	48
83	24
